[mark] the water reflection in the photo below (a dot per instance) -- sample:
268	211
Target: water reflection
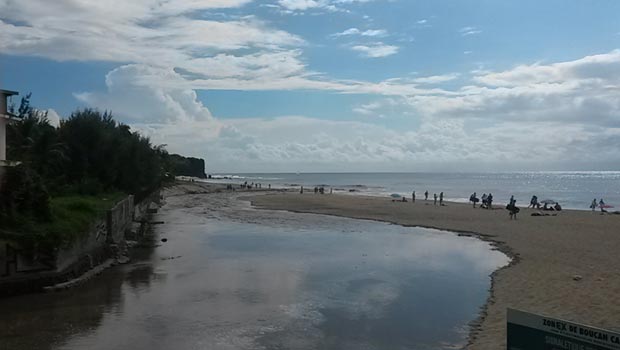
217	284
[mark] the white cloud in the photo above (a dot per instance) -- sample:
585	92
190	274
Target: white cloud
367	33
368	109
53	118
301	5
583	91
160	33
450	132
376	50
296	6
467	31
133	100
437	79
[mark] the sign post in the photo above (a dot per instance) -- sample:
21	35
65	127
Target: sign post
528	331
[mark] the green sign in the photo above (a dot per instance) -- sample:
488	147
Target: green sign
534	332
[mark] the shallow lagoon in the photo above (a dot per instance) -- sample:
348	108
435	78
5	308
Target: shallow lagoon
295	282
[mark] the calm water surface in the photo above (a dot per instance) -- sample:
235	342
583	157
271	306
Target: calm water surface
300	282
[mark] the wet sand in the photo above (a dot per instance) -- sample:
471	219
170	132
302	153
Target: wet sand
565	266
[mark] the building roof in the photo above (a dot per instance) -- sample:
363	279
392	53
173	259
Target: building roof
8	92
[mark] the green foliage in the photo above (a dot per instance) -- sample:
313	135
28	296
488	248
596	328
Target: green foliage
70	217
106	151
22	193
57	190
73	216
187	166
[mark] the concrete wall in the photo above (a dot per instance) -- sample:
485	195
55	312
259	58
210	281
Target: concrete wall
24	271
91	247
3	122
119	219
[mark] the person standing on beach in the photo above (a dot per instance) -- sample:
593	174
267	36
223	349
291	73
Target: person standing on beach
413	196
473	199
490	201
302	190
426	195
593	205
512	208
441	199
601	204
534	202
435	198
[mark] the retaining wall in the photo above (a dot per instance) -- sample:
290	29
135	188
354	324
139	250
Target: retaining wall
23	271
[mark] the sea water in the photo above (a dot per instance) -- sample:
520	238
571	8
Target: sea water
574	190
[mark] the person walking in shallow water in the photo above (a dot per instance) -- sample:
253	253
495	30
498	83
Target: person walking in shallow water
426	195
435	198
593	205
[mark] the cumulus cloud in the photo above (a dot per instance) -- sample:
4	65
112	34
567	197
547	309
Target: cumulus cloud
160	33
53	118
136	101
447	134
467	31
376	50
583	91
436	79
368	33
291	6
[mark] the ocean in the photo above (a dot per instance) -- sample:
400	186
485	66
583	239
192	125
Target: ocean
572	189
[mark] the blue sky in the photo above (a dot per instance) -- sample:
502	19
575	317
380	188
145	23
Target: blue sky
326	85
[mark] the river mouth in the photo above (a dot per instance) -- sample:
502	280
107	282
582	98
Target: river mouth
235	278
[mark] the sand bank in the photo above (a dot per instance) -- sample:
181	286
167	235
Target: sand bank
565	266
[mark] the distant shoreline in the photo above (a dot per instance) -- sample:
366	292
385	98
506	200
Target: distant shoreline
557	261
573	190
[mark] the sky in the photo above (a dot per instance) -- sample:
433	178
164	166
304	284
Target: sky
333	85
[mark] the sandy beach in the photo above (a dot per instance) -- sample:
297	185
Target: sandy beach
563	266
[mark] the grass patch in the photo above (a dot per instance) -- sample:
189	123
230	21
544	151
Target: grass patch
71	217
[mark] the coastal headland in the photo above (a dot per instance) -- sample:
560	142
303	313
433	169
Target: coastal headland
565	266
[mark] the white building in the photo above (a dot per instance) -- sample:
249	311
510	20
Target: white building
5	117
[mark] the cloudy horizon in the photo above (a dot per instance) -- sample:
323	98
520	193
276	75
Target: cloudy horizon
333	85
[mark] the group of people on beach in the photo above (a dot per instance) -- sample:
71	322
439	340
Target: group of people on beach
246	186
486	201
435	197
547	205
317	190
601	205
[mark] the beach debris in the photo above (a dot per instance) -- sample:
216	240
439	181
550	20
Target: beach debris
577	278
172	257
164	240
